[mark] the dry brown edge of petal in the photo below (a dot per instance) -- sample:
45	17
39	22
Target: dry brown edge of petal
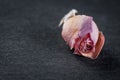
99	45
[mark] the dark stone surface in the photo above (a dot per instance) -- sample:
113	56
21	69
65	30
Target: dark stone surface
31	46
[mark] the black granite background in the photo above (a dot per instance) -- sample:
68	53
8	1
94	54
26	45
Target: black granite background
31	46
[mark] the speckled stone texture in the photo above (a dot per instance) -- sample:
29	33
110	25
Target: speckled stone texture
31	46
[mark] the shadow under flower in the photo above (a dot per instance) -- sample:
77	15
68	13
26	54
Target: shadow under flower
106	61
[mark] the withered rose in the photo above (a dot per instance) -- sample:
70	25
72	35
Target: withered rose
81	33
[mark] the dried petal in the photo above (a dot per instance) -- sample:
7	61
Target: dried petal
81	34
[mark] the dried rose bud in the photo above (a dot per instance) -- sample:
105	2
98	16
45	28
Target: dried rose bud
81	33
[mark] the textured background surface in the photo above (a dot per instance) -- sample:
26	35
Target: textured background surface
31	47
